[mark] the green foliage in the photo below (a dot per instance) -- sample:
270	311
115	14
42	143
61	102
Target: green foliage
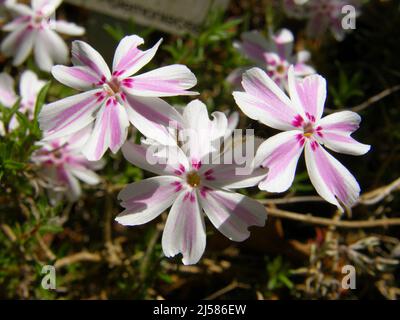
348	87
278	274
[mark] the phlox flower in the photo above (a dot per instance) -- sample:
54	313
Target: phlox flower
274	55
35	29
300	118
29	87
322	15
62	164
192	186
113	99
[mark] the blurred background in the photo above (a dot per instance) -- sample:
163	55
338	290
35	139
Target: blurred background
96	258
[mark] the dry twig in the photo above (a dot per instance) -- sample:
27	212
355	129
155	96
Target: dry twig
308	218
370	101
78	257
232	286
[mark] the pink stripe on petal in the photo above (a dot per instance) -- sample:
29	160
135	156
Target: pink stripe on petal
145	200
130	58
232	213
82	75
148	197
115	129
241	212
149	113
330	175
281	157
311	92
341	126
337	137
69	115
265	101
184	231
156	85
103	131
89	63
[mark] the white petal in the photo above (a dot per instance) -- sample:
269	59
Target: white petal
23	46
227	176
303	56
233	168
129	59
308	93
152	158
110	130
145	200
302	70
69	115
21	21
99	140
64	176
7	94
201	135
280	155
232	213
77	140
80	78
336	130
167	81
330	178
265	101
84	174
127	49
118	127
19	8
283	40
49	48
152	117
69	28
29	88
233	122
84	55
184	231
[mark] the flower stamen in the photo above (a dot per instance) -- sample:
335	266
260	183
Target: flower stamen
113	86
308	130
193	179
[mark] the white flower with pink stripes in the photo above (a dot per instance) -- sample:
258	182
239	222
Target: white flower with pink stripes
274	55
322	15
113	99
62	165
192	187
300	117
35	28
29	88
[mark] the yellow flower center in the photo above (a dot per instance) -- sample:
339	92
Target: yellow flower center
280	69
113	86
308	130
193	179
